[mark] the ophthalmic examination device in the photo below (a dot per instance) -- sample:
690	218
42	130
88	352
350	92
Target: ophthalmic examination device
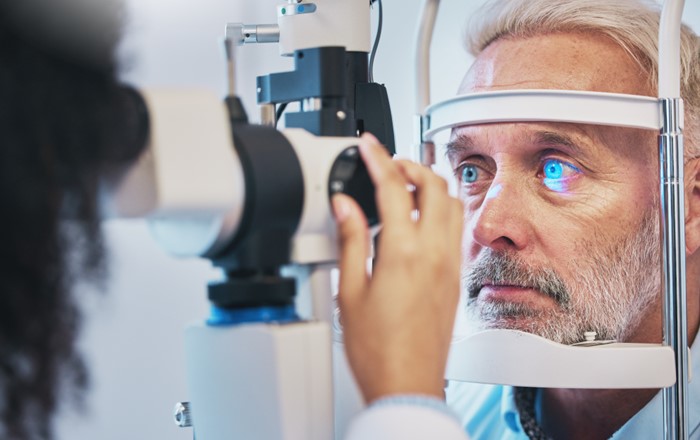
255	201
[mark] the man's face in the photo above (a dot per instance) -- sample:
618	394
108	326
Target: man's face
561	224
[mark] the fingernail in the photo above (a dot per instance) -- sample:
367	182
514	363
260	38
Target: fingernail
364	146
341	207
368	156
370	137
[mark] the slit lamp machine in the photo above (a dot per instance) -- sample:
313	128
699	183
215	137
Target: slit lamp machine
255	201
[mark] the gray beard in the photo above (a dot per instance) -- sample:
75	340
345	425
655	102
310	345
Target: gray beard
611	291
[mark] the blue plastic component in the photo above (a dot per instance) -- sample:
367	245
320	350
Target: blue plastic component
306	8
225	317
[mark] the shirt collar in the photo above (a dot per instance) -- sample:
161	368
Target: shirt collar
648	423
509	411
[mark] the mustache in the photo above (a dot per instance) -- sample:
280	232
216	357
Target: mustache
509	270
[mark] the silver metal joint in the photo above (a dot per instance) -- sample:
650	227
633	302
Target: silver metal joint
234	32
182	414
268	115
672	114
311	104
253	33
261	33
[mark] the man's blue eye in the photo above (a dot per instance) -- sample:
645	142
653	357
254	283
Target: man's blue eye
470	174
557	174
553	169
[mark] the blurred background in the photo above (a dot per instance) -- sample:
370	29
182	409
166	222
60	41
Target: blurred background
133	332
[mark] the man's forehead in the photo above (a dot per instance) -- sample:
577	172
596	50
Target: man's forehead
562	61
568	61
575	138
579	140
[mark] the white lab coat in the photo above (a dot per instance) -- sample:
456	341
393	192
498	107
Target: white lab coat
404	422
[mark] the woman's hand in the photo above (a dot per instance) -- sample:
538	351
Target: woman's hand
398	324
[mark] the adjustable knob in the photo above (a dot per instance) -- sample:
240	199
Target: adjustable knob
349	176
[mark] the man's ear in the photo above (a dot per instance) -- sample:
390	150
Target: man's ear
692	206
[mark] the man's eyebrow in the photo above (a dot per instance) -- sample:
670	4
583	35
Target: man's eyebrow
554	139
462	144
458	145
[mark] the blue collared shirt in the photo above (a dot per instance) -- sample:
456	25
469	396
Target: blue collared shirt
488	412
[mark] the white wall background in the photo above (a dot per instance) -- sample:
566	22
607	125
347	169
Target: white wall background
133	333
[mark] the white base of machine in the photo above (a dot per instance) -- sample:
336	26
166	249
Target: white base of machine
512	357
260	381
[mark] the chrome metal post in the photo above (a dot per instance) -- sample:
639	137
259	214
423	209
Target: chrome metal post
675	398
268	115
230	51
426	150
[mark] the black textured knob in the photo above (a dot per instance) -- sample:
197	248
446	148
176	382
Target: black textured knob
349	176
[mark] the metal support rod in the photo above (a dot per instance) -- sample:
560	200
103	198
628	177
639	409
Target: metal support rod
268	115
675	398
426	26
230	49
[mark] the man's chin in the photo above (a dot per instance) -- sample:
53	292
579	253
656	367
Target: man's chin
506	312
538	322
522	323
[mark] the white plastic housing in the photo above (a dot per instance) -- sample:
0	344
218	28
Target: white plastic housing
511	357
260	381
505	106
344	23
189	181
316	238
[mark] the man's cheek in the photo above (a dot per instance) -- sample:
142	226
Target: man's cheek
470	248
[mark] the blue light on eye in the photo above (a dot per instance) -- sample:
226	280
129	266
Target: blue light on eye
558	174
469	174
553	169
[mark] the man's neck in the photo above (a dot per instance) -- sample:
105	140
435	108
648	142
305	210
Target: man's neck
598	414
590	414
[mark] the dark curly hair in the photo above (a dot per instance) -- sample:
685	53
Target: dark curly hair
64	122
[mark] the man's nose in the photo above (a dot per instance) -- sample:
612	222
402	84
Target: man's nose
503	220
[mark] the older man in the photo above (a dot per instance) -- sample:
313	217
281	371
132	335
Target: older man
570	240
561	220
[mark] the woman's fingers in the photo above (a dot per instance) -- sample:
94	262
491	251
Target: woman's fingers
404	313
354	249
432	198
394	201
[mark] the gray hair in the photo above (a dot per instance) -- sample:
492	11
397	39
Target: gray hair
633	24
